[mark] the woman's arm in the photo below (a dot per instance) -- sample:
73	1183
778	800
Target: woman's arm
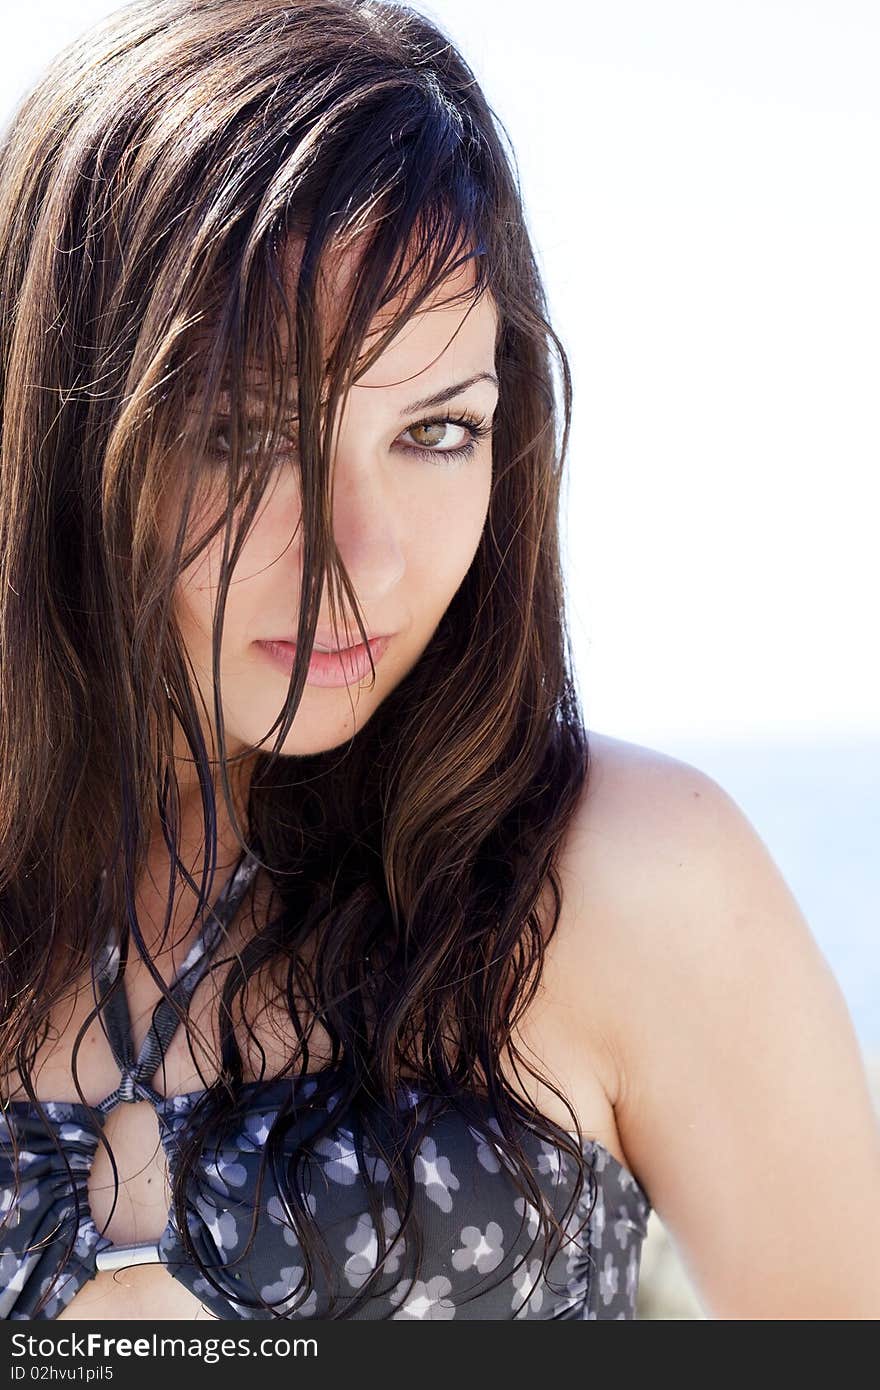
742	1101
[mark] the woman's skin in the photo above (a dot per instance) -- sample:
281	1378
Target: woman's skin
684	1010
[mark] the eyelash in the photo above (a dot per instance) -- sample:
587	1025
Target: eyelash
476	426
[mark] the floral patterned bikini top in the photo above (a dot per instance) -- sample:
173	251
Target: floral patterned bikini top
479	1258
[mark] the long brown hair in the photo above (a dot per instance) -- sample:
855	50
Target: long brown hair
151	185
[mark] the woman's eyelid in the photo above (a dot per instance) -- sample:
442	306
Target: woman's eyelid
466	416
255	404
474	431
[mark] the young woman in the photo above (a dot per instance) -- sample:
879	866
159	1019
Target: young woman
341	974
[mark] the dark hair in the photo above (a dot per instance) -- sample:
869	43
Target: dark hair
151	185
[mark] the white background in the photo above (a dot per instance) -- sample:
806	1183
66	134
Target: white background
702	184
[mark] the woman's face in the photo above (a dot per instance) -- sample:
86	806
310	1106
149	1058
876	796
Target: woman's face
407	524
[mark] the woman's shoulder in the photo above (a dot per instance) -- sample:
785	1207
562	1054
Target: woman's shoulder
611	890
727	1042
634	831
633	835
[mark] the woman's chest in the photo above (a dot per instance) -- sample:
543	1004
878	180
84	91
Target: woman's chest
472	1218
130	1194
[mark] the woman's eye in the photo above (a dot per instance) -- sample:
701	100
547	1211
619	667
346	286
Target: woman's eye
221	436
431	434
446	441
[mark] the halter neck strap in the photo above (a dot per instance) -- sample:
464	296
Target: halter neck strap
136	1072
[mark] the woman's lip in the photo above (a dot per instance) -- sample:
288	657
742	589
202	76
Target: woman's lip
345	667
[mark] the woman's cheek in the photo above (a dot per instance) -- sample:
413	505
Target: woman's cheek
451	525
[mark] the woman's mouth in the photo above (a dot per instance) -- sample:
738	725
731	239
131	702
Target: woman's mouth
344	667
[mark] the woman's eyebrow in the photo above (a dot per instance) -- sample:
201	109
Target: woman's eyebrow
257	391
448	393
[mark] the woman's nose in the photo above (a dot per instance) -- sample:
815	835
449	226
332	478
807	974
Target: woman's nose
366	528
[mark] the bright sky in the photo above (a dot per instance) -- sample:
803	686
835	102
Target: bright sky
701	184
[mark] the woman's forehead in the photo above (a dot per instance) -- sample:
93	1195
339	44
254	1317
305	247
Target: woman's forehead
452	300
454	322
458	338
